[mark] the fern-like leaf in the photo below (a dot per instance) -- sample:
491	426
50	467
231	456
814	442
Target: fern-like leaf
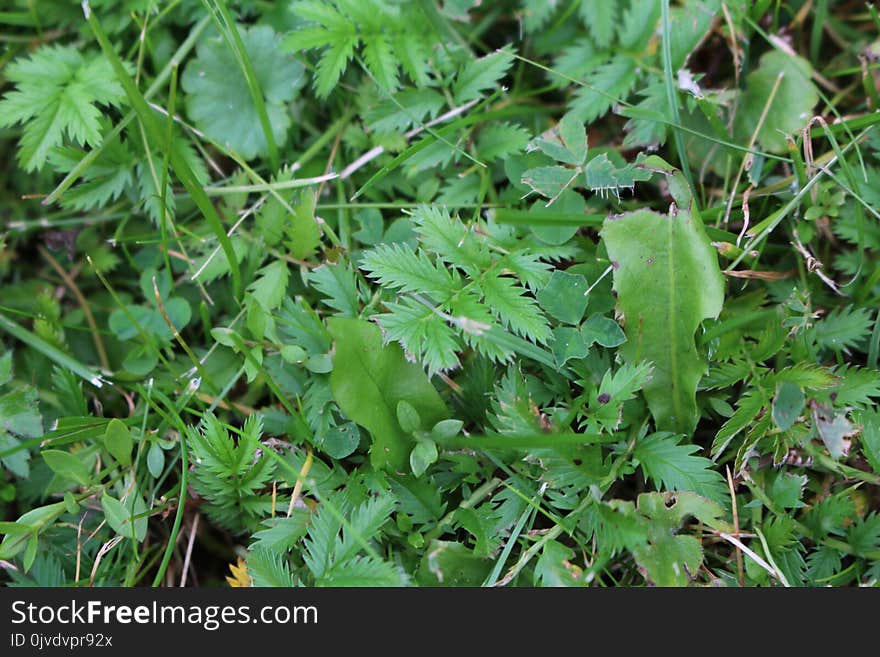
606	85
58	91
675	466
230	473
480	75
843	328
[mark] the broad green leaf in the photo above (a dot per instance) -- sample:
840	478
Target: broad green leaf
18	461
19	414
602	330
689	25
870	421
141	359
787	405
670	560
422	456
408	417
566	143
568	344
446	563
67	465
550	181
564	297
35	521
340	441
369	379
569	202
447	428
155	460
118	517
667	281
118	441
835	430
5	368
792	106
218	99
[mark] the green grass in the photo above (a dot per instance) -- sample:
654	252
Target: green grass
512	303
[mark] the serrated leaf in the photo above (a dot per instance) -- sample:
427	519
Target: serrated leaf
600	17
554	567
480	75
423	333
380	61
498	140
864	536
58	89
858	386
337	282
747	409
607	85
271	284
510	303
638	24
667	281
410	107
787	489
399	266
363	571
550	181
843	328
268	568
674	466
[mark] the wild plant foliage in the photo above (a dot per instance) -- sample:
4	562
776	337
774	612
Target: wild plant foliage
389	293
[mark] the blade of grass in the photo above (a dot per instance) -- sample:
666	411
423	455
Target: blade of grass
760	231
672	97
229	29
177	158
51	352
184	470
